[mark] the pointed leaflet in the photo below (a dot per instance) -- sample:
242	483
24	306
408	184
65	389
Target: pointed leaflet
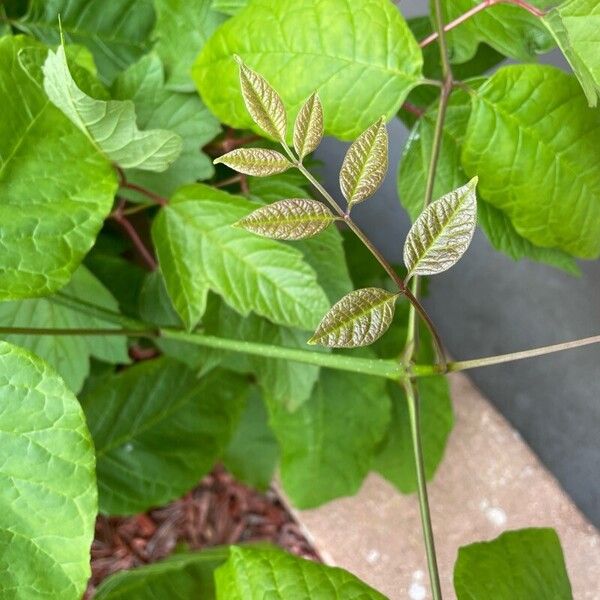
442	233
263	102
358	319
47	480
363	63
308	129
575	25
292	219
268	572
365	164
255	161
47	227
110	125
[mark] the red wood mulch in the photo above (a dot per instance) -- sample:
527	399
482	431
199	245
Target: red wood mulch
219	511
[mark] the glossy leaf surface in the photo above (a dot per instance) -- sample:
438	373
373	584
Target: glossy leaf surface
255	161
308	128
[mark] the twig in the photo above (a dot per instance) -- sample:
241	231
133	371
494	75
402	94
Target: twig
119	218
138	188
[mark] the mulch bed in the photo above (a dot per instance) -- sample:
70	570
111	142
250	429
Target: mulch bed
219	511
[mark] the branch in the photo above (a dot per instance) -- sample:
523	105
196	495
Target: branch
536	12
129	230
138	188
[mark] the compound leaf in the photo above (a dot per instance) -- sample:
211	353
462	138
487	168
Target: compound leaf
548	185
517	565
363	63
442	233
255	161
109	124
56	187
158	429
291	219
47	479
365	164
358	319
308	128
252	570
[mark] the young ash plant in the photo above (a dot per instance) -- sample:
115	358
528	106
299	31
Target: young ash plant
175	295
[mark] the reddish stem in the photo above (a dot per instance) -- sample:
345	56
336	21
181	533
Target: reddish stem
133	235
229	143
138	188
413	110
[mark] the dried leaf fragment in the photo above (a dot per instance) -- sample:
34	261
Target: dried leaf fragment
255	161
308	129
365	164
290	219
442	232
358	319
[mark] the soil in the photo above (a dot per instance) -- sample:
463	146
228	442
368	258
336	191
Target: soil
219	511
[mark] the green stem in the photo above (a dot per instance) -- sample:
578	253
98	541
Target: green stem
412	398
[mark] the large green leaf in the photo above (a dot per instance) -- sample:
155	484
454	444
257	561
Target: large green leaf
229	7
55	187
182	28
518	565
328	443
329	46
412	175
48	496
532	140
69	355
575	25
182	576
158	429
117	32
159	108
198	249
511	30
255	573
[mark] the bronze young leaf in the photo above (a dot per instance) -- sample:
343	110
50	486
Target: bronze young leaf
291	219
358	319
255	161
308	129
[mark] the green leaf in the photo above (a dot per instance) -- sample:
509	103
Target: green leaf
367	43
47	483
442	233
517	565
365	164
182	29
117	32
158	429
574	25
157	107
259	162
511	30
49	222
358	319
412	176
182	576
69	355
229	7
327	445
110	125
199	249
395	457
547	184
252	572
308	128
290	219
253	452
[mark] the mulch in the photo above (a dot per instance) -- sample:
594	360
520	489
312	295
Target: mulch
220	510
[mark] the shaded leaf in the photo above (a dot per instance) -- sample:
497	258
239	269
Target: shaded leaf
292	219
158	429
49	226
250	571
262	102
442	233
364	62
308	128
358	319
229	7
46	480
517	565
110	125
255	161
365	164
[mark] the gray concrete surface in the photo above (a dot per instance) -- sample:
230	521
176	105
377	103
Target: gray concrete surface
489	304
